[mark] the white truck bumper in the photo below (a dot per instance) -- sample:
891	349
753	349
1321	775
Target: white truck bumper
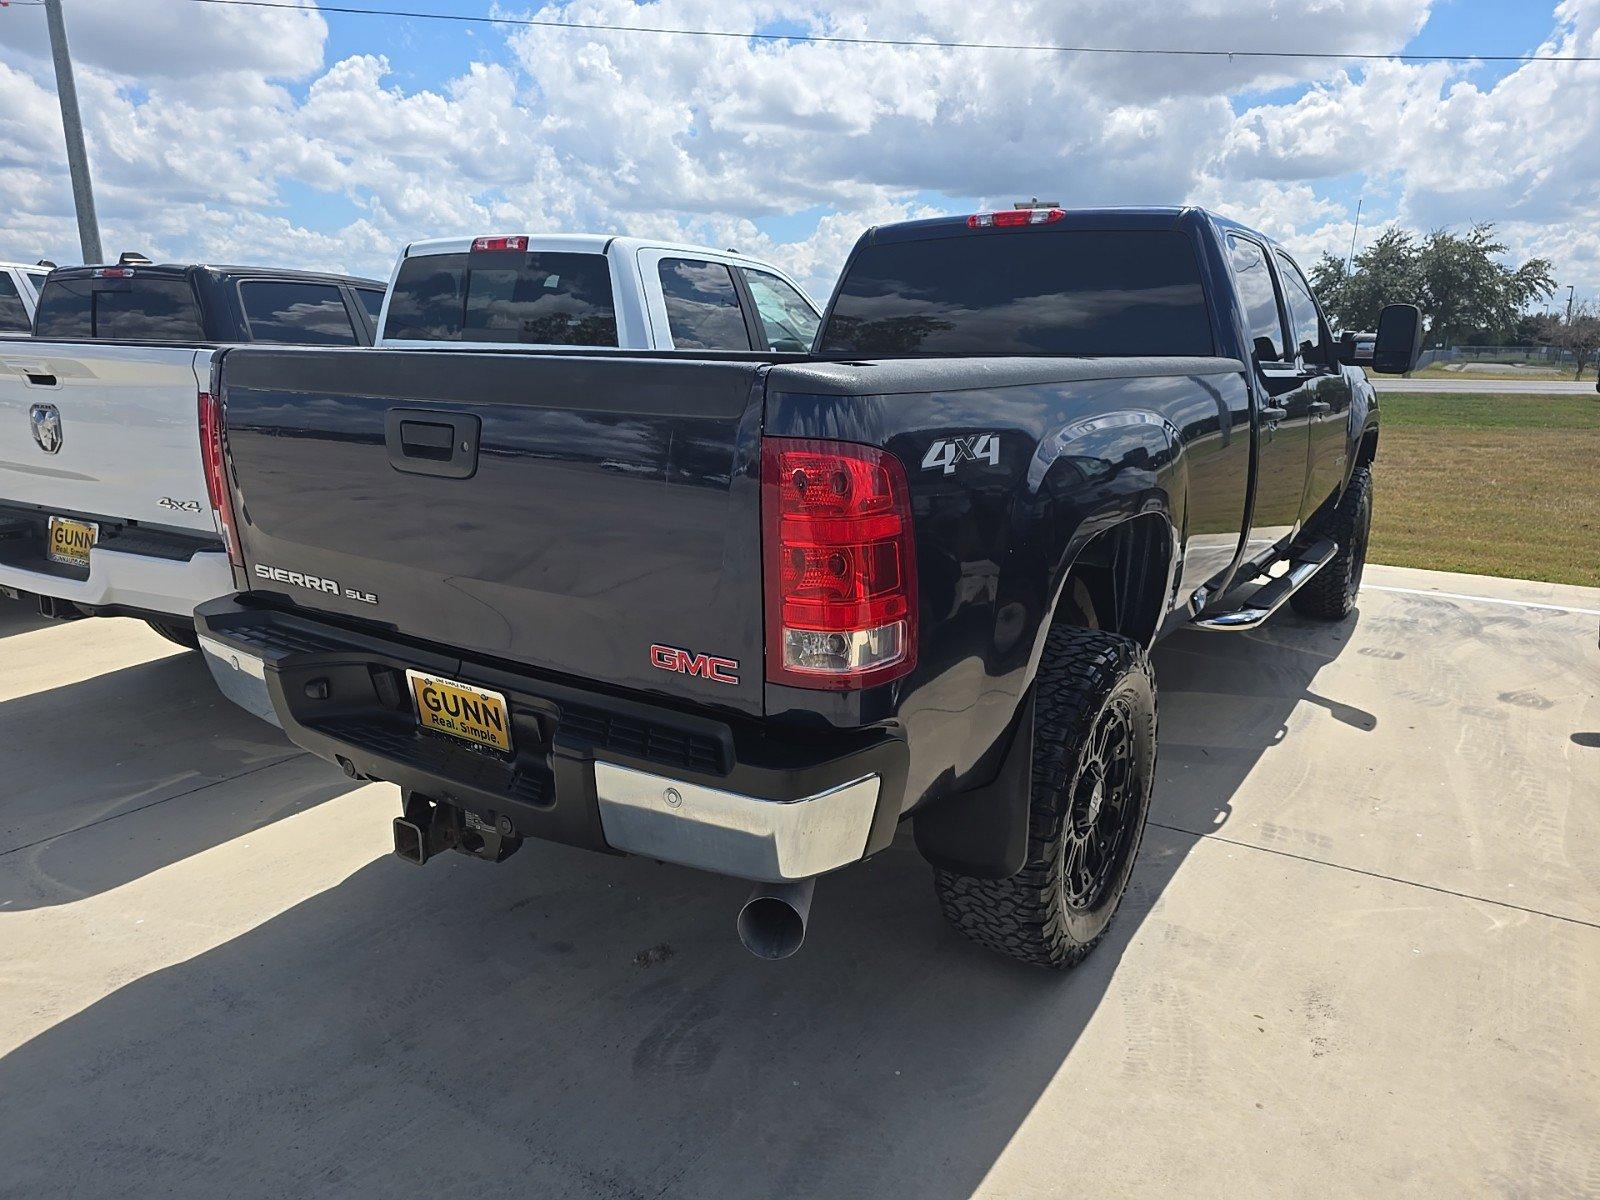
138	581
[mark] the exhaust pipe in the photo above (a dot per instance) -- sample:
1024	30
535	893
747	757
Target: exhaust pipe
772	923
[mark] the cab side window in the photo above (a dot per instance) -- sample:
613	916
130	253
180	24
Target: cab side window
1303	315
1257	293
13	315
787	319
703	310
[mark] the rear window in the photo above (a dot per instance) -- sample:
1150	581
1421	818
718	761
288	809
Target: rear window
300	314
543	299
13	316
703	310
1068	292
131	309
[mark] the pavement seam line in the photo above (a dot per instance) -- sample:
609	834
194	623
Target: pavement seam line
1561	608
277	762
1427	887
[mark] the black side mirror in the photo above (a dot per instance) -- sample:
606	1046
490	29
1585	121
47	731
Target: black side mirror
1265	350
1399	342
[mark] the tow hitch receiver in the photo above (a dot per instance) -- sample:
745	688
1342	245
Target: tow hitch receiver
431	826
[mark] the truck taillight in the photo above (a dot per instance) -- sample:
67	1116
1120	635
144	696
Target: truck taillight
839	564
480	245
216	474
1014	218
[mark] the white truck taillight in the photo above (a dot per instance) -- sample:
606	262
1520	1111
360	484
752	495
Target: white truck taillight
485	244
1015	218
216	474
838	564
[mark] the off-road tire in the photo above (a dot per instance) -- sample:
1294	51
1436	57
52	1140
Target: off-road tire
183	635
1332	592
1086	680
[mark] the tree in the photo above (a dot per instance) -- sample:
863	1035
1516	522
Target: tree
1458	281
1578	335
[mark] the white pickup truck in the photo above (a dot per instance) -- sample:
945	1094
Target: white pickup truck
104	500
591	290
20	285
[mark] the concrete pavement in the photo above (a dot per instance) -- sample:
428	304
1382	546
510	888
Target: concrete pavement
1510	387
1361	956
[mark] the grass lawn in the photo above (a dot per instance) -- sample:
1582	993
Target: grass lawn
1486	371
1493	485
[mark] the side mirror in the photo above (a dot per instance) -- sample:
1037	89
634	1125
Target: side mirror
1399	342
1265	351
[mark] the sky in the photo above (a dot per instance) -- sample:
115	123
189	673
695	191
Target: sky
321	140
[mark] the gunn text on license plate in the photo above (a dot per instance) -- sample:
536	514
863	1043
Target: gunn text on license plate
461	710
70	541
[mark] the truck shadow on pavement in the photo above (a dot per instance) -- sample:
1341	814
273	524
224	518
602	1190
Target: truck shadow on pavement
129	762
570	1024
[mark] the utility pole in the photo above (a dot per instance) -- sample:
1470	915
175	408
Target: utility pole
1350	260
1571	287
72	124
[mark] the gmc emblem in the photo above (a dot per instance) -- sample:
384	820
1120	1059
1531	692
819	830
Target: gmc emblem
706	666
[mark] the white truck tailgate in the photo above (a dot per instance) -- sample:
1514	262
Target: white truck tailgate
104	430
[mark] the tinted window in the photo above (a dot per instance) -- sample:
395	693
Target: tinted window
13	316
37	279
543	299
134	309
787	318
1256	292
702	307
307	314
371	301
1302	308
1032	292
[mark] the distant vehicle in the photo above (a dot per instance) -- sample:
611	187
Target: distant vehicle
105	503
20	285
531	290
748	612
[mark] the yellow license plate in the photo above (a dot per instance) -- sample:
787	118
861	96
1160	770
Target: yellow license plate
70	541
461	710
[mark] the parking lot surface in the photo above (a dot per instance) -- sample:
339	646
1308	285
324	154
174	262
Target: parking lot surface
1360	956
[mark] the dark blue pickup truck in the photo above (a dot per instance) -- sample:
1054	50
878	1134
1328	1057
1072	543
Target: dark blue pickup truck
750	612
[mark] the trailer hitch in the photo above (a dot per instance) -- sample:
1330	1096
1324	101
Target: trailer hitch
430	827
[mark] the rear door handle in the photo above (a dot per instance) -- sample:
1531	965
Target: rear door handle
1272	414
425	441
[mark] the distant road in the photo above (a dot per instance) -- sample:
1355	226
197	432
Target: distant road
1518	387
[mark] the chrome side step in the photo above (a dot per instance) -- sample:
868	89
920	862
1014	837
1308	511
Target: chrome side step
1273	595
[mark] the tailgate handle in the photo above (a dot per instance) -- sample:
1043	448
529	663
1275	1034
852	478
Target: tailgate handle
425	441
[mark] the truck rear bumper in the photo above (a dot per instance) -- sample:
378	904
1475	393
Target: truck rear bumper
134	582
588	768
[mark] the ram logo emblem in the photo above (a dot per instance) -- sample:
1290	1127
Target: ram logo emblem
46	422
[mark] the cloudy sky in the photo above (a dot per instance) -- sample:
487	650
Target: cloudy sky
326	140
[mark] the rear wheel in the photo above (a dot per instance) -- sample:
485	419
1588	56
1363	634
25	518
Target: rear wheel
184	635
1094	758
1331	594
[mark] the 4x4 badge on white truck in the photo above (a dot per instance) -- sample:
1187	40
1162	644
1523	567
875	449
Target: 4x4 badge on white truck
46	422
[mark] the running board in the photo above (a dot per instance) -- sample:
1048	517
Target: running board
1273	595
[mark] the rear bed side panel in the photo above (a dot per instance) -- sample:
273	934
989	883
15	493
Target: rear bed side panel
1080	446
614	507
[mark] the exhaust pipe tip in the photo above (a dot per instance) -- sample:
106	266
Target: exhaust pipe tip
772	922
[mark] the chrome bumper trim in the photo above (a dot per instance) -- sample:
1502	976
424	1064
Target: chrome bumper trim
734	834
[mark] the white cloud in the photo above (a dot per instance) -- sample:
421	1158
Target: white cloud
221	132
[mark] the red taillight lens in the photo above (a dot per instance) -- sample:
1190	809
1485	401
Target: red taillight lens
112	272
216	474
839	564
499	243
1014	218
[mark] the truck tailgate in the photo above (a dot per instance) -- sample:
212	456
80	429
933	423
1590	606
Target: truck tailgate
564	512
126	435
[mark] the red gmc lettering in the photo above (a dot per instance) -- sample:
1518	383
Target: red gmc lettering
705	666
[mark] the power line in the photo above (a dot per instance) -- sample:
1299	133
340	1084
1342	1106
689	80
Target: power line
843	40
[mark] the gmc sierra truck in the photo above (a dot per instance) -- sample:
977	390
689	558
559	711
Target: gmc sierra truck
103	495
749	614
